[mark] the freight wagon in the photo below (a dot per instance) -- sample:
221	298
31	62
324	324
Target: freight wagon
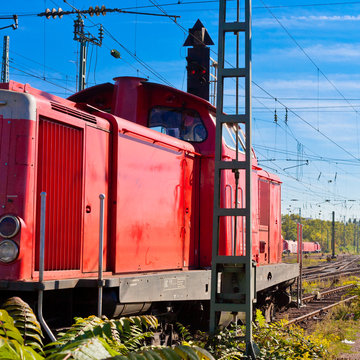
290	247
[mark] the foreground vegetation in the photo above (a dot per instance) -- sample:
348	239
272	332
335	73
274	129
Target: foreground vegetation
130	338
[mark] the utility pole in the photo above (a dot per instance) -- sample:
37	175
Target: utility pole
5	61
354	233
321	232
333	235
344	241
5	57
85	37
327	240
300	261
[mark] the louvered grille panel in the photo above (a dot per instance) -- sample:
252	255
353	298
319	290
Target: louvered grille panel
60	176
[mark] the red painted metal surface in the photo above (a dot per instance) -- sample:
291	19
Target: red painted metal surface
308	246
275	242
60	175
290	246
264	220
17	149
159	190
311	247
96	183
153	203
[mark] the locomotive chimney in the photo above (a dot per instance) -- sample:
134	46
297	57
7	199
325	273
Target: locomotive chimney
198	61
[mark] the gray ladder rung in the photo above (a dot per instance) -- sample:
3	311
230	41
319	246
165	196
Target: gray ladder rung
230	307
234	26
230	212
231	260
231	165
231	119
233	72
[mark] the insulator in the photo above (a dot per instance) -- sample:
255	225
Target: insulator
54	13
103	10
101	33
91	11
60	12
286	115
275	117
97	11
48	13
115	53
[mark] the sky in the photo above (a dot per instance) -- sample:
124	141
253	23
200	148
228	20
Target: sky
305	69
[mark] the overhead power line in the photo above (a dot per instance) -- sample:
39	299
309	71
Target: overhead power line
95	11
84	38
273	97
185	3
308	56
182	2
39	77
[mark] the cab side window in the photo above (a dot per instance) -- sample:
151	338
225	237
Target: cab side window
184	124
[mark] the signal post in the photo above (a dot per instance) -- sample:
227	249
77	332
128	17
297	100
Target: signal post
233	276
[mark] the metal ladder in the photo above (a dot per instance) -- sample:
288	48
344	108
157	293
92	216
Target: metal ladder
233	276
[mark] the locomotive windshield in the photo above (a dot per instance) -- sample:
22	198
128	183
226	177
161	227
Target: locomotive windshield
184	124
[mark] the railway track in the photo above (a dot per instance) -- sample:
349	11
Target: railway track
345	266
340	263
317	304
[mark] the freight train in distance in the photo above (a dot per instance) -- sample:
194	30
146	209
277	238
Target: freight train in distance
149	149
291	247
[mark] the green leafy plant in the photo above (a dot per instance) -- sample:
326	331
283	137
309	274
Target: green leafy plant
12	344
123	335
279	341
165	353
92	348
25	321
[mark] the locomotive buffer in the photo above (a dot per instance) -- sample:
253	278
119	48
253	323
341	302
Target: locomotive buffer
233	276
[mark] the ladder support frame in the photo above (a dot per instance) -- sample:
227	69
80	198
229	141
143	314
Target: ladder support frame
239	269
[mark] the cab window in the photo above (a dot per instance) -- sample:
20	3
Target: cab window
229	137
184	124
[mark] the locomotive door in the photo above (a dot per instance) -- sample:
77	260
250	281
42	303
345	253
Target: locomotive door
264	208
275	242
96	183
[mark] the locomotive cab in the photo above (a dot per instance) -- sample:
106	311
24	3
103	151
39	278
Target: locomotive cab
192	119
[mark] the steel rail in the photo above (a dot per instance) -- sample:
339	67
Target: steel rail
315	312
328	292
348	272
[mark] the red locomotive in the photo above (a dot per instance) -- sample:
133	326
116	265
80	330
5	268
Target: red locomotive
290	246
149	149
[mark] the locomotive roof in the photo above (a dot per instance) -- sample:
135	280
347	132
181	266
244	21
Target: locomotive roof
196	98
83	95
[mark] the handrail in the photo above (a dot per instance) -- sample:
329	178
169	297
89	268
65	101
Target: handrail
232	220
41	267
101	247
